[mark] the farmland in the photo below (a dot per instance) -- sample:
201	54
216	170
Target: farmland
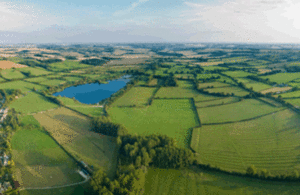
39	160
12	74
71	130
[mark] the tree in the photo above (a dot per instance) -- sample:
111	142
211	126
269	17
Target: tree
252	170
138	161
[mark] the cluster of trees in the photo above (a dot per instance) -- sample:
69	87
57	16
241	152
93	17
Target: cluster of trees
94	62
129	180
54	100
104	126
168	81
220	94
71	57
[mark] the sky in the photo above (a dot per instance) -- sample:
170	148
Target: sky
98	21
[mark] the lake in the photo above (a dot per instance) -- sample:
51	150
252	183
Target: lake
94	92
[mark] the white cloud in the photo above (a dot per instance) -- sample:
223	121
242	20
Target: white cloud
244	20
130	8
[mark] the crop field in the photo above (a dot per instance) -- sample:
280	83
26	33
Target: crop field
238	73
83	108
137	96
282	77
244	109
36	79
24	86
39	160
52	82
291	94
195	181
35	71
170	117
12	74
8	64
270	142
258	86
214	84
221	101
71	130
32	102
276	89
67	65
236	90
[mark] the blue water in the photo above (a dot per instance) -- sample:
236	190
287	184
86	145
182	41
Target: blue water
94	92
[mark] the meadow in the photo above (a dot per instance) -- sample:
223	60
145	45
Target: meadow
195	181
238	73
291	94
214	84
67	65
270	142
39	160
32	102
218	102
22	85
71	130
282	77
170	117
53	82
12	74
35	71
137	96
242	110
36	79
236	90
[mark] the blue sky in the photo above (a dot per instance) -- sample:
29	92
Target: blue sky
53	21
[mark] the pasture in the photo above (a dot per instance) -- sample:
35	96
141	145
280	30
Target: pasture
137	96
199	182
71	130
242	110
238	73
22	85
39	160
217	102
275	89
12	74
170	117
83	108
35	71
36	79
257	86
214	84
282	77
67	65
52	82
32	102
291	94
270	142
236	90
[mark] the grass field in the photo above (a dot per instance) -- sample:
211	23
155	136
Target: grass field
73	190
169	117
295	102
67	65
24	86
282	77
245	109
137	96
83	108
258	86
12	74
214	84
32	102
236	90
71	130
270	142
195	181
276	89
53	82
238	73
39	160
36	79
35	71
291	94
226	100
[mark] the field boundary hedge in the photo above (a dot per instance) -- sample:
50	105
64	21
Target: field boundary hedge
194	108
244	120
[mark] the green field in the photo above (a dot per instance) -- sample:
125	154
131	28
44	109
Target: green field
236	90
270	142
282	77
83	108
73	190
35	71
245	109
32	102
257	86
24	86
53	82
67	65
39	160
217	102
214	84
170	117
295	102
195	181
36	79
71	130
12	74
137	96
291	94
238	73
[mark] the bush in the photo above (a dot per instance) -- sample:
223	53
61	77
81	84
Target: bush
252	170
